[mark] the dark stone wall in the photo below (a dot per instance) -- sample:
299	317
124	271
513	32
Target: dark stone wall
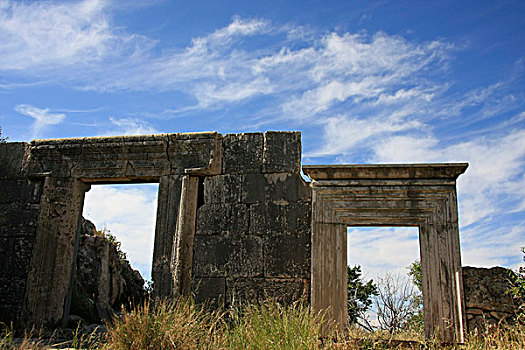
19	208
252	236
486	299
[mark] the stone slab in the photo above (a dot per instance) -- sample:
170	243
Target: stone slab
249	290
242	153
232	256
223	189
268	218
282	152
209	290
13	160
222	219
287	256
278	187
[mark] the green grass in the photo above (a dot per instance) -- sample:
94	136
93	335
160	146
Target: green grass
267	325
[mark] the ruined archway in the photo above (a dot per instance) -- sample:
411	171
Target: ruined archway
67	167
422	195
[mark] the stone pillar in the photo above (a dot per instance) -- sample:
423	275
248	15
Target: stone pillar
182	255
329	272
50	273
165	231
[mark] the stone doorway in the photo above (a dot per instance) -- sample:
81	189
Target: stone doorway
68	167
421	195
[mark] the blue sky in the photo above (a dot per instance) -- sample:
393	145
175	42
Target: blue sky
364	81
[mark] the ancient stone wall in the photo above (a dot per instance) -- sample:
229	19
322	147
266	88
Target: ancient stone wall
252	236
19	209
486	297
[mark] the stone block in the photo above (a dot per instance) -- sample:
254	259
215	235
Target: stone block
12	292
13	159
15	256
249	290
287	256
486	289
232	256
18	219
20	190
286	218
223	189
210	290
243	153
222	218
282	152
281	187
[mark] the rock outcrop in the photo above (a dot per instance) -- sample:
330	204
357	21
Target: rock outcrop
104	280
486	297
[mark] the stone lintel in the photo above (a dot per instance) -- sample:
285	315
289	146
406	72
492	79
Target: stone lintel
142	158
441	171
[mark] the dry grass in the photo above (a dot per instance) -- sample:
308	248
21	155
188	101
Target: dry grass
268	325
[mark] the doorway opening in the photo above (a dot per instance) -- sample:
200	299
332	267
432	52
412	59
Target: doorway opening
113	261
128	212
384	279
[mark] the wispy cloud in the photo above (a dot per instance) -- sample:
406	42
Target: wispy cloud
42	116
42	35
130	126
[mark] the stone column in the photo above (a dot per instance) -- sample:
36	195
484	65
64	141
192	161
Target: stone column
165	232
52	261
182	256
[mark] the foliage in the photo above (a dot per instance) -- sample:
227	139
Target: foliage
270	325
163	325
2	139
394	303
359	297
106	233
417	321
183	325
517	289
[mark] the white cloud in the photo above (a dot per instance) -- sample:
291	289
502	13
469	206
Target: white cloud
495	166
129	212
46	34
382	249
42	116
131	126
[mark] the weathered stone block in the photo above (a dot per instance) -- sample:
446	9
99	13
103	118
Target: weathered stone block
222	218
209	289
13	159
223	189
11	298
16	263
18	219
287	256
282	152
232	256
271	218
485	289
486	298
20	191
242	153
277	187
249	290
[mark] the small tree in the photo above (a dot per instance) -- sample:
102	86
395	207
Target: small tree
2	139
517	289
417	321
359	297
394	303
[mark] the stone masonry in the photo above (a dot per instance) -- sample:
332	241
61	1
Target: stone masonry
235	222
252	236
486	298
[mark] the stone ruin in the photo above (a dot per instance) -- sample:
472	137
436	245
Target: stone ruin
235	221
